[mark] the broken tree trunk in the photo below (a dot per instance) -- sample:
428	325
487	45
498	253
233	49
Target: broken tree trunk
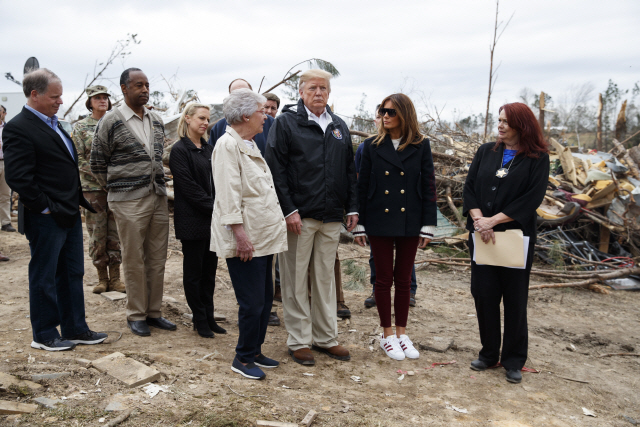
597	278
452	206
599	125
621	123
541	117
633	167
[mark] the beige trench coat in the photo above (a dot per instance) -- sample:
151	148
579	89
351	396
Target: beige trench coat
245	195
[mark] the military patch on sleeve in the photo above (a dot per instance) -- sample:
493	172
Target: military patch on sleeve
337	134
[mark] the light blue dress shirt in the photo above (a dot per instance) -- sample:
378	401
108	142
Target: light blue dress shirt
52	122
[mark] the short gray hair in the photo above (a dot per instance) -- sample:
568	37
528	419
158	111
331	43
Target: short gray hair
241	102
38	80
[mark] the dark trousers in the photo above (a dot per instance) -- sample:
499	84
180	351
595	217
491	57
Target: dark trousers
199	267
388	273
490	285
253	285
56	268
372	266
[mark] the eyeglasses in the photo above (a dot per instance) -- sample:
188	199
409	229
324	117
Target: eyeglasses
261	112
390	111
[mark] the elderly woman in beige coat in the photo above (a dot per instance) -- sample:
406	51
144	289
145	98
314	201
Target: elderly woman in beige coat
247	226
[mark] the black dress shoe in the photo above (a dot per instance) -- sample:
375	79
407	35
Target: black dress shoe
514	376
215	328
161	323
479	365
139	327
8	227
203	329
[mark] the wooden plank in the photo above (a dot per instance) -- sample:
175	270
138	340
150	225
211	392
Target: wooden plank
9	408
309	418
7	381
129	371
274	424
604	192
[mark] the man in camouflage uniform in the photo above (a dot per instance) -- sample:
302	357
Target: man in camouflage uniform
104	243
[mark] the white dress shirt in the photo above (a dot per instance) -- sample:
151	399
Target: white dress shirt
323	120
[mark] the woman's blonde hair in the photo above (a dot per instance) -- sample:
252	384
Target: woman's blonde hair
190	110
406	113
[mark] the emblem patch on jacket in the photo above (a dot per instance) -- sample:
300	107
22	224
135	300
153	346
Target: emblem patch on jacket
337	134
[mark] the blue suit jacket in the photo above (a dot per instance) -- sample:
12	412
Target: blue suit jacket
260	139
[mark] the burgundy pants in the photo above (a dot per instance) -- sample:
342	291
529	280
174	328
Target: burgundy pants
387	273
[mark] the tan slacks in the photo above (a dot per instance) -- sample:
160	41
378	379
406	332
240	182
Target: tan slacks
311	257
5	198
143	226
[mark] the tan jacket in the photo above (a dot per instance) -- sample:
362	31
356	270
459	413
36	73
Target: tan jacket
245	194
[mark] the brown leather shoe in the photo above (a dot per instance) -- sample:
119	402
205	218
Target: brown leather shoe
336	352
302	356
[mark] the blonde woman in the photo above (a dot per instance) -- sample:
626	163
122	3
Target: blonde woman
190	163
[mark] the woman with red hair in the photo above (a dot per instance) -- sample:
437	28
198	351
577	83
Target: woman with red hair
506	183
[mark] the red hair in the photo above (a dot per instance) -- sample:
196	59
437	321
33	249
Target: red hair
521	119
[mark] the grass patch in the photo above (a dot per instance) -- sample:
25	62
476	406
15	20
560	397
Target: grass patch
357	275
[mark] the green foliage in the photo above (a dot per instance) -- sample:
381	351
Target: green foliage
291	86
358	275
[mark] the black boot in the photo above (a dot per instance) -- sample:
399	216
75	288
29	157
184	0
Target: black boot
213	325
203	329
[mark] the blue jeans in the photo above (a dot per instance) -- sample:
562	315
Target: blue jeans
414	284
56	268
253	286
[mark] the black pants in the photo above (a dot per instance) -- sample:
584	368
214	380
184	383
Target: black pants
253	284
490	285
199	277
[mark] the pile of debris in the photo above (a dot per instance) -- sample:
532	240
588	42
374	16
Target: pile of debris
589	219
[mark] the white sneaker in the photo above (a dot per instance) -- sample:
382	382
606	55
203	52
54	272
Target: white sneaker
391	346
407	346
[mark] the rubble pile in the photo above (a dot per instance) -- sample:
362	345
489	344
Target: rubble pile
589	219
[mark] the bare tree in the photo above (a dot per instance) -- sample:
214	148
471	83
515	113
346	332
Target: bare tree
120	50
498	26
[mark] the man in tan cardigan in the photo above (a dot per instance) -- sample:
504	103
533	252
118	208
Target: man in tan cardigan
126	159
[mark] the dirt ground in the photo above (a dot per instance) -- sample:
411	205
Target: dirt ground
568	330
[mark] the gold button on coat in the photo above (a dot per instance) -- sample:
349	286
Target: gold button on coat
386	172
401	191
401	173
386	191
401	209
386	210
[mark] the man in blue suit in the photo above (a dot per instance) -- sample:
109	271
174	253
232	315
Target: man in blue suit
42	167
221	125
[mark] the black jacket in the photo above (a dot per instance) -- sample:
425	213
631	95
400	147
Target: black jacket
517	195
313	171
193	189
396	189
41	170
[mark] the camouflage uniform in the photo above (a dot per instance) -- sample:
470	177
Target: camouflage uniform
104	246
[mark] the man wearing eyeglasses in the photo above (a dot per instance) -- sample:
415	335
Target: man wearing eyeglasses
221	125
310	155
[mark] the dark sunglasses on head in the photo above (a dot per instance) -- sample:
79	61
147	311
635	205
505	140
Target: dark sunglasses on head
390	111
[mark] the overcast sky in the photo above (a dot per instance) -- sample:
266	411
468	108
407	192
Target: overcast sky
435	51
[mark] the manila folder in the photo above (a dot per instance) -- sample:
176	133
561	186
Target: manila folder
507	252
